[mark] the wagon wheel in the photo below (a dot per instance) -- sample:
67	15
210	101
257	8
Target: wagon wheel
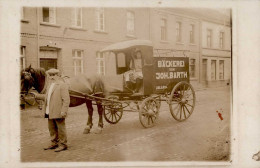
149	112
182	101
113	111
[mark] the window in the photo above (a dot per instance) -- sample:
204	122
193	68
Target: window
192	41
163	29
221	40
209	38
22	57
49	15
130	23
213	69
77	17
221	69
100	63
77	61
100	19
192	68
178	31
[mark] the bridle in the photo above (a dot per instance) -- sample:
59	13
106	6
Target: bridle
27	74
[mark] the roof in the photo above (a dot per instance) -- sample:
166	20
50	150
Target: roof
126	44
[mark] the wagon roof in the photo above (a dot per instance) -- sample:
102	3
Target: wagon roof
127	44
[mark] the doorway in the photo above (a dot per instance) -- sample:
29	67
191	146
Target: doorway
48	58
48	63
204	70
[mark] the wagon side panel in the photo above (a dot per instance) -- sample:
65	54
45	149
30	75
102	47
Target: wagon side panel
168	71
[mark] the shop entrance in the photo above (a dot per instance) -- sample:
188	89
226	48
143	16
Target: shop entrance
48	63
48	58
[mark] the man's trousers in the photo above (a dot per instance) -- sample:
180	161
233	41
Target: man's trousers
57	131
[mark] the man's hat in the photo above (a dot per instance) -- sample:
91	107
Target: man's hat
53	71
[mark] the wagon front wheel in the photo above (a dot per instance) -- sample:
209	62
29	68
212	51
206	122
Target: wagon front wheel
182	101
149	112
113	111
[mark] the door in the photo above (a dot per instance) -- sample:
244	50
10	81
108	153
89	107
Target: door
48	58
204	69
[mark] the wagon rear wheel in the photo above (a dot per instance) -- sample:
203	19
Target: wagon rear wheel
182	101
113	111
149	112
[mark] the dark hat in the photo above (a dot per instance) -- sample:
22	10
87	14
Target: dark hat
53	71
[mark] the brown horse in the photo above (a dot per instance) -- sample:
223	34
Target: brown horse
89	85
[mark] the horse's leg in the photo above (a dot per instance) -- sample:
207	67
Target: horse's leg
100	113
90	114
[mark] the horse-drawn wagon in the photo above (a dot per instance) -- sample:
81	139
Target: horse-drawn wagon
141	75
163	76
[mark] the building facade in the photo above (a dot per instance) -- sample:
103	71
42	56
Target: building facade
70	38
216	54
172	30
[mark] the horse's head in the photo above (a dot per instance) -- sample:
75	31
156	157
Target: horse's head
27	80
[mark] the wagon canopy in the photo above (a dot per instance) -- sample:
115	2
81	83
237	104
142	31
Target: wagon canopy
126	45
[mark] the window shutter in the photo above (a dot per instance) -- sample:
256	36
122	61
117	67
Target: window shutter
52	16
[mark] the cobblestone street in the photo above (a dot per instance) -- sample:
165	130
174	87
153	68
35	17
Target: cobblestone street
203	137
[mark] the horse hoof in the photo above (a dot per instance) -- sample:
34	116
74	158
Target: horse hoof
86	131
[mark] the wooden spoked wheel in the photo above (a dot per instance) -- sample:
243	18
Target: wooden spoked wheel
113	111
182	101
149	112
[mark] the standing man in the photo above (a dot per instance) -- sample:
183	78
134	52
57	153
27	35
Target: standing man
56	106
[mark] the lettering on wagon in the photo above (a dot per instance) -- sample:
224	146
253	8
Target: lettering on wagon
170	64
171	75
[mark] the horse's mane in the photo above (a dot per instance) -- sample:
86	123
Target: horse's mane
39	72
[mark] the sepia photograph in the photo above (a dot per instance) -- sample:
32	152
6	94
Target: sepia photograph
131	84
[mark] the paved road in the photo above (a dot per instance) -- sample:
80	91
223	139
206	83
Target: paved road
203	137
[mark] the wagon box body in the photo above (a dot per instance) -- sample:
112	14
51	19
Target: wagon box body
165	77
